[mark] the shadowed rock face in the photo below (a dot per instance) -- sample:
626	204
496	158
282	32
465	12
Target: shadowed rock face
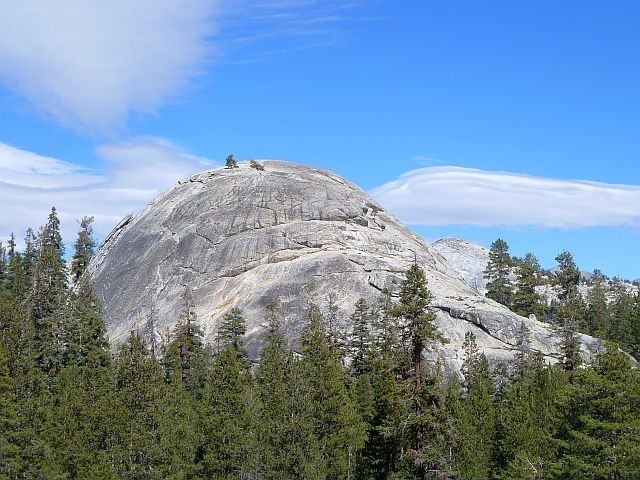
243	237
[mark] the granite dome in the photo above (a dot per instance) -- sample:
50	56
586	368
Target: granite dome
245	237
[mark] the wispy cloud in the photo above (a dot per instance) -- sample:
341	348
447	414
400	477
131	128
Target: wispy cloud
463	196
132	174
261	30
89	63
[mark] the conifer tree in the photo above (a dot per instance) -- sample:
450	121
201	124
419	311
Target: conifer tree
567	278
138	394
497	273
384	410
230	444
85	331
232	329
424	395
571	312
231	163
601	427
17	281
360	338
337	424
30	254
271	379
598	320
526	300
289	445
84	247
178	437
528	418
475	426
186	352
9	421
48	297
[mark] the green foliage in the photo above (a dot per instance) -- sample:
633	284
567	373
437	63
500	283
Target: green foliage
256	165
85	331
526	300
84	247
137	403
360	340
600	433
230	447
68	411
185	354
231	163
476	424
9	422
232	329
48	297
497	273
568	276
422	393
336	421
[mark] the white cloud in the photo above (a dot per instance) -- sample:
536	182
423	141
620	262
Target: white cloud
89	63
133	173
463	196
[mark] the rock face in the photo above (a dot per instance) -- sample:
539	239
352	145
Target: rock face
467	258
244	237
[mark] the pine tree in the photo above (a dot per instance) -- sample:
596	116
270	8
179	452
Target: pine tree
476	425
232	329
526	300
271	378
186	351
18	279
138	394
48	297
423	390
178	437
601	427
497	273
598	320
385	410
9	420
84	247
230	445
360	339
290	447
567	278
527	418
629	320
85	331
571	312
337	424
231	163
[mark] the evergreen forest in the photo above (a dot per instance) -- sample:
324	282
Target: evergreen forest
349	404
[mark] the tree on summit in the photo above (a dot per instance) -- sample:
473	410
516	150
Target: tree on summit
231	163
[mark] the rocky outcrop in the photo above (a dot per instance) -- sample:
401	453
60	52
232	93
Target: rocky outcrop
469	259
244	237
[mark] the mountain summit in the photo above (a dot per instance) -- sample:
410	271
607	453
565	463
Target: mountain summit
244	237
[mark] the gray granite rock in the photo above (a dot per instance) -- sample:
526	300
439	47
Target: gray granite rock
243	237
469	259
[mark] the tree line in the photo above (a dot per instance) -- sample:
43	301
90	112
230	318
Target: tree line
601	307
358	405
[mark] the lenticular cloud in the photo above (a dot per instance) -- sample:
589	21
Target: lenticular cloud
463	196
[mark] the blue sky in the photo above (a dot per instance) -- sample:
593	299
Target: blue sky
477	119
